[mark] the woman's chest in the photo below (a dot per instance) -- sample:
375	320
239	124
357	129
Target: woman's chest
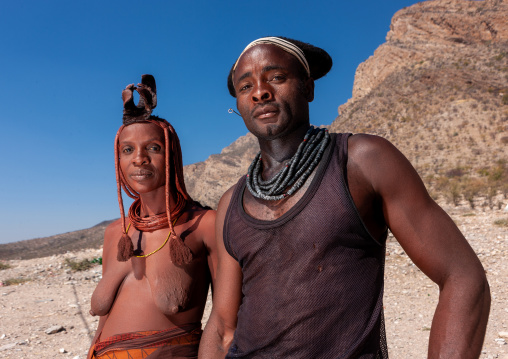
170	287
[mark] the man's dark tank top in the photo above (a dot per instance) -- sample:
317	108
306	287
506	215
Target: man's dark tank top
313	278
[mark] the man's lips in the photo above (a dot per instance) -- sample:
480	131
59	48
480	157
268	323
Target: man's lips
266	111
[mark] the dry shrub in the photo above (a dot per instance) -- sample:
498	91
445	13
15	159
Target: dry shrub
501	222
455	172
505	99
471	188
15	281
78	266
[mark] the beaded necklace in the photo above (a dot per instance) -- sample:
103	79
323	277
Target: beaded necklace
294	174
158	249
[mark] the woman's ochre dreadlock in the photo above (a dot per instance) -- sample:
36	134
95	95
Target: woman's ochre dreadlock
175	185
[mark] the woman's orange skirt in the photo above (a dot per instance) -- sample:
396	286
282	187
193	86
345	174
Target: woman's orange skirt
179	342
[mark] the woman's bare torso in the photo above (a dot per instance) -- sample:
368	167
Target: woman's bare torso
152	293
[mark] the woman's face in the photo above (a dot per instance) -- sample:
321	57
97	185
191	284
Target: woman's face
142	156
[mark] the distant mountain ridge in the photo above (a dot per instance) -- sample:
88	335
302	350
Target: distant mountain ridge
437	88
60	243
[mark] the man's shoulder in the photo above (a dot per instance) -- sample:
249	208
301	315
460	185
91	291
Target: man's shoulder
377	161
226	198
366	147
362	140
367	141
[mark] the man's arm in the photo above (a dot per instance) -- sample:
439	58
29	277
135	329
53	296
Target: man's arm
227	296
433	242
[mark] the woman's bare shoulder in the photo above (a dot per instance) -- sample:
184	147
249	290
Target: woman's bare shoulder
203	222
113	230
205	216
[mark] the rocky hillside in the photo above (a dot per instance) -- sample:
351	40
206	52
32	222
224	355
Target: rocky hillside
438	89
207	181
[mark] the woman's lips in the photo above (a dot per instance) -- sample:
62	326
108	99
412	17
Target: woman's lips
141	175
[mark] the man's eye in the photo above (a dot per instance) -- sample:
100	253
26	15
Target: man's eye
278	77
244	87
126	150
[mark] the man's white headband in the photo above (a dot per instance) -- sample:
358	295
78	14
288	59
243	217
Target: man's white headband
284	45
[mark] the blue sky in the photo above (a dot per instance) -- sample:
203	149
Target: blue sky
64	64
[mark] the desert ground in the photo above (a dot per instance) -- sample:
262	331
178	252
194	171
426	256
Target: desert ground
46	316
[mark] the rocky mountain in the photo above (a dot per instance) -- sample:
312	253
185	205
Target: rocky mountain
207	181
437	88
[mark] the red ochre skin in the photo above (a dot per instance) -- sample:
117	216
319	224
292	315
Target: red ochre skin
153	293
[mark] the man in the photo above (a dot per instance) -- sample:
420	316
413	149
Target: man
301	238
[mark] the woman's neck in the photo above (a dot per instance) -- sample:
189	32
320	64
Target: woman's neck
154	202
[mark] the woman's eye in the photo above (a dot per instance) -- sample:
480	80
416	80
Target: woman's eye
155	148
126	150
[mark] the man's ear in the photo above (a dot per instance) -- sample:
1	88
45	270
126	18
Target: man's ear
309	89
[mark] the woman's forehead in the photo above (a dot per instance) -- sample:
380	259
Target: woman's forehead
142	130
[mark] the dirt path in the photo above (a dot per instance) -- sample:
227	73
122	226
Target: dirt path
57	297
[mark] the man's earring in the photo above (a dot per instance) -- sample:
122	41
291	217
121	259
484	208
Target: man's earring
231	111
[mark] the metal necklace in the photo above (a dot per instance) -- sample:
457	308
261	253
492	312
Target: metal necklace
294	174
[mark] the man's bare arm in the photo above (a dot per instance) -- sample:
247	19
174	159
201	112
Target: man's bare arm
434	243
219	330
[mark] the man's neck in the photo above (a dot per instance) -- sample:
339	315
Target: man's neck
275	153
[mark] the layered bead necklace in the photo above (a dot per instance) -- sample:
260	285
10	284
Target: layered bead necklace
294	174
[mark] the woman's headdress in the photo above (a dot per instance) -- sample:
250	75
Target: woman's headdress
175	185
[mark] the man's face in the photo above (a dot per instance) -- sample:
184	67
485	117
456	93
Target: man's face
271	94
142	156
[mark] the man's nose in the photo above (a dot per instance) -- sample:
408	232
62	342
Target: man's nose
262	92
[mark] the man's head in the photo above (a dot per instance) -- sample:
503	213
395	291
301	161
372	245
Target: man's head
318	60
273	82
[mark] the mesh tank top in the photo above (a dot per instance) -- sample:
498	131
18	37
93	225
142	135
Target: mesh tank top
313	278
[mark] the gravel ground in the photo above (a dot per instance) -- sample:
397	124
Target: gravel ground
55	298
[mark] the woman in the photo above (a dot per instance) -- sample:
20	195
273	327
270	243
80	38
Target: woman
158	262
